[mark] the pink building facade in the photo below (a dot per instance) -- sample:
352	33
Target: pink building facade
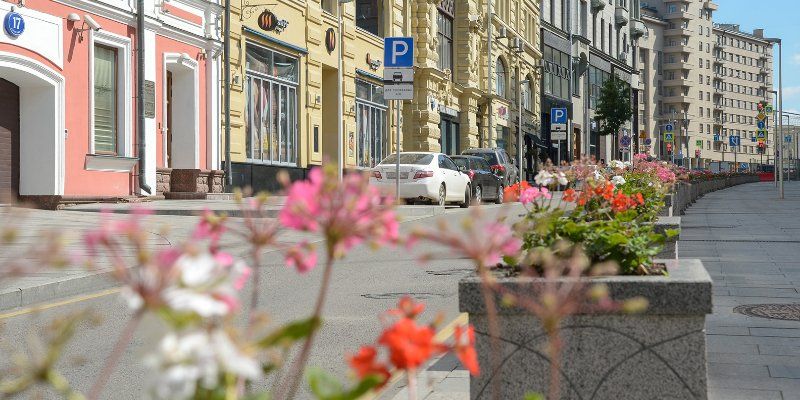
68	87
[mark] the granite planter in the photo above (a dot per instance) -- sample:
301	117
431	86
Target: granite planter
662	225
163	178
658	354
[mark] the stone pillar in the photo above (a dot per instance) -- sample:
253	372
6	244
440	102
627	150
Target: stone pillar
468	119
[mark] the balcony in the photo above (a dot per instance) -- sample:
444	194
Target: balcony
763	57
678	82
678	48
681	99
718	107
720	46
711	6
718	75
598	5
679	15
718	122
621	15
678	32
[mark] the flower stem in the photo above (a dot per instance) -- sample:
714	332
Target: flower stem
115	355
256	279
296	370
412	384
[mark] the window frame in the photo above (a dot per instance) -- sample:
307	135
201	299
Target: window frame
372	108
446	62
124	98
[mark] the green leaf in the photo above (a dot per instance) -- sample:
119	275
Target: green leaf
326	387
533	396
291	332
257	396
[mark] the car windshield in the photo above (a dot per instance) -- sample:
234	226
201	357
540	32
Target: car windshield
461	162
409	158
489	157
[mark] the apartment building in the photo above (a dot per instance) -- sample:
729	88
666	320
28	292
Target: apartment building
585	43
704	80
289	57
743	78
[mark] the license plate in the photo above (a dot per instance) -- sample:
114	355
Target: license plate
392	175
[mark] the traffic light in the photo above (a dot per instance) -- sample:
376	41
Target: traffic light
762	148
669	148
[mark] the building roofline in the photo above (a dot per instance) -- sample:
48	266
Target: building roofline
728	28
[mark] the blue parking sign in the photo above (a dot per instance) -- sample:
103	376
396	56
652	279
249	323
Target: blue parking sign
558	115
398	52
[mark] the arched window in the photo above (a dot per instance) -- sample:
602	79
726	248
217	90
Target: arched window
527	93
500	78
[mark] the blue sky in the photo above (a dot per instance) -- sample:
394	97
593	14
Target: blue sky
779	18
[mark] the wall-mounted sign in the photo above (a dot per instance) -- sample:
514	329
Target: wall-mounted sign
149	99
373	63
502	112
268	21
14	24
330	40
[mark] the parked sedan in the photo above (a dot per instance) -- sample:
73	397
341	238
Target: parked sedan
499	160
486	185
424	177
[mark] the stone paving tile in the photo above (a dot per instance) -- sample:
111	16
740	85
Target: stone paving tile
736	369
779	350
784	371
775	332
743	394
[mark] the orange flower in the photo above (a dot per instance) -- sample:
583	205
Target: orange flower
608	191
569	195
621	202
511	193
640	199
410	345
465	349
406	307
364	364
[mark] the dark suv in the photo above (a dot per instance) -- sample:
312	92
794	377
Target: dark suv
499	161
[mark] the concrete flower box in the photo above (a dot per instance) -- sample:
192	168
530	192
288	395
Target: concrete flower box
686	193
662	225
658	354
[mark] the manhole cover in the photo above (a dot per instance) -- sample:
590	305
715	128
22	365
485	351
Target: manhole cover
418	295
789	312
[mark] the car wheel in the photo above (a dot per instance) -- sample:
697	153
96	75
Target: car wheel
499	198
467	198
478	195
441	201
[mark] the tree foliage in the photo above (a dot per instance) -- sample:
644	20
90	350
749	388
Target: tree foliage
614	106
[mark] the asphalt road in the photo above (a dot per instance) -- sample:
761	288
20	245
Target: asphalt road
364	285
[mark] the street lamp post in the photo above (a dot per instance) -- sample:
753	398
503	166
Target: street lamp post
779	150
339	90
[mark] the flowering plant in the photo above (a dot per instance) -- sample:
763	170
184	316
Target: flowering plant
195	290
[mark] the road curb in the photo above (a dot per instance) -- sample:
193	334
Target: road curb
402	211
27	296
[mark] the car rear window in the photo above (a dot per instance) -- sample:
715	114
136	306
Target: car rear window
489	157
409	158
461	162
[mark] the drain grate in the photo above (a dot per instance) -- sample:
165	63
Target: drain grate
417	295
787	312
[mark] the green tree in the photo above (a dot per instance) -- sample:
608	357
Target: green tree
614	106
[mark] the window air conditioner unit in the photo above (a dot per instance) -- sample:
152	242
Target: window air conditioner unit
623	56
502	32
518	45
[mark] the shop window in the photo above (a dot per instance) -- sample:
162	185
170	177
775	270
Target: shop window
105	100
271	107
373	139
500	78
444	22
369	16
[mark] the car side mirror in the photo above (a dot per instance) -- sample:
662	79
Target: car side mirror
462	168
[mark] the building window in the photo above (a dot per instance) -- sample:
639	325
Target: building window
369	16
597	78
373	141
500	78
329	6
272	115
444	21
105	100
527	95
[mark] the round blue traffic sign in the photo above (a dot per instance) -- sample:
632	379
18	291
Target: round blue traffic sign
669	127
14	24
761	124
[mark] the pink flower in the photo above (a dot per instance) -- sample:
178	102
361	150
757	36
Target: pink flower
302	256
211	227
347	213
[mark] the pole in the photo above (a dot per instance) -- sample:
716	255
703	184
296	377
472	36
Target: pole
140	95
780	110
227	79
569	81
397	151
490	62
519	124
340	96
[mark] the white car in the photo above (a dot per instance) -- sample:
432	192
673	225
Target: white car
424	177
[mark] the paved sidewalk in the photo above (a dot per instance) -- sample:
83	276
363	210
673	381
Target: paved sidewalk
750	243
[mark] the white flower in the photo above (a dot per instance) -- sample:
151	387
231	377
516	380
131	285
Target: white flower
627	164
598	176
616	164
618	180
544	178
562	178
185	360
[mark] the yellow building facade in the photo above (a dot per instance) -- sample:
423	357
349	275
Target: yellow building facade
285	70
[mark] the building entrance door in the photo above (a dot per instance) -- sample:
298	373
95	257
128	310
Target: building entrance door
449	139
9	140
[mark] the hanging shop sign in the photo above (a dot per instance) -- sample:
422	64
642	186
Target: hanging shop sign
268	21
330	40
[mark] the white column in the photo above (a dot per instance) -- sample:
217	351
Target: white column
150	123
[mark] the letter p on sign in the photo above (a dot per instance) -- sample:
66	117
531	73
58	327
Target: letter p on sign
398	52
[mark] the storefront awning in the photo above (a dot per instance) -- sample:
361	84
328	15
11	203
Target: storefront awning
536	141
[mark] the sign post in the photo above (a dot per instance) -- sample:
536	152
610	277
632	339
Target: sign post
669	137
398	77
